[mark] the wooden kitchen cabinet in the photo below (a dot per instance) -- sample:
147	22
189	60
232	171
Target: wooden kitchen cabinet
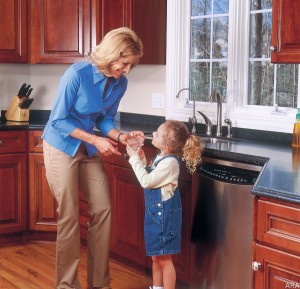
277	245
286	31
13	182
149	21
59	30
13	31
146	18
127	237
42	204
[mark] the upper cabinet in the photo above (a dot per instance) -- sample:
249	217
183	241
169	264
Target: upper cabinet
13	31
147	18
59	30
56	31
149	21
285	32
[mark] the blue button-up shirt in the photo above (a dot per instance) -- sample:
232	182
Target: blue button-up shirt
79	104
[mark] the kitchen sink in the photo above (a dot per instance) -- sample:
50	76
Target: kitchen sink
215	140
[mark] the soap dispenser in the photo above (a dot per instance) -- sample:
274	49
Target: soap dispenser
296	133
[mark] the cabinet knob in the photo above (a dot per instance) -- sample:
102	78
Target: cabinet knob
256	266
1	142
125	156
273	48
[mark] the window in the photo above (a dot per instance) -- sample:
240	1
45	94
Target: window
224	45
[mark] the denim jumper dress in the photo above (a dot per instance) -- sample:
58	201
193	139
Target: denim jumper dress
163	219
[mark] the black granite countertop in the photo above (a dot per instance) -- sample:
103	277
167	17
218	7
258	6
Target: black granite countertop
280	175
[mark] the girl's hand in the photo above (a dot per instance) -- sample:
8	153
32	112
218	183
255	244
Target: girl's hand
131	152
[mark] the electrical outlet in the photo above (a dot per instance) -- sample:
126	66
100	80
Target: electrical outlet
158	100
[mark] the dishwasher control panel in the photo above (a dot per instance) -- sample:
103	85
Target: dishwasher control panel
228	174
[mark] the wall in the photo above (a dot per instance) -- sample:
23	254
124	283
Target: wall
143	81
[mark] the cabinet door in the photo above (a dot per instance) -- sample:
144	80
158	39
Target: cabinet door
43	205
60	30
13	31
148	20
108	15
13	183
127	240
278	269
286	31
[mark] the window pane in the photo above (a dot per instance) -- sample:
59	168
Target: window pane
261	83
261	4
219	78
220	37
260	34
287	85
221	6
264	77
200	80
201	38
200	8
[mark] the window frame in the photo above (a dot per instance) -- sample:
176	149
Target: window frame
241	114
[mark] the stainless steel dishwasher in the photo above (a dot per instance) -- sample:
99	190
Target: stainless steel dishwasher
221	238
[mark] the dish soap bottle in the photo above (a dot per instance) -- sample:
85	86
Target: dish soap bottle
296	133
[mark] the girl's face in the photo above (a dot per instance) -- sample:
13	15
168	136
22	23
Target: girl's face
158	138
122	65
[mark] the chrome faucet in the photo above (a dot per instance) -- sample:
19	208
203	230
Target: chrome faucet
208	122
192	119
216	93
229	127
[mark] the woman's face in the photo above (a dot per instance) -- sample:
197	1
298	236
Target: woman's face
122	65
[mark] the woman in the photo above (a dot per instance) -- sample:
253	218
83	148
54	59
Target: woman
88	96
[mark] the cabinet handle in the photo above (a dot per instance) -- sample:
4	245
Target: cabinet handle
273	48
256	266
125	156
1	142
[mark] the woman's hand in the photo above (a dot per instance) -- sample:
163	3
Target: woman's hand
106	146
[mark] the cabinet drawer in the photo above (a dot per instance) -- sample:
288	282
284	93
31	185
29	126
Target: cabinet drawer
13	141
35	141
278	224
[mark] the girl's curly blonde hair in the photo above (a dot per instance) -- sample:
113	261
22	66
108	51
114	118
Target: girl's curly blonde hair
182	144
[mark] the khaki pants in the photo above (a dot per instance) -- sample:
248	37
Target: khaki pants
63	174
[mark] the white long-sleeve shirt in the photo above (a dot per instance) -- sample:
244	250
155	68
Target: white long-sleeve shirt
164	175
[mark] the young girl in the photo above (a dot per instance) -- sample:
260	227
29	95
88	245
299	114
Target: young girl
163	211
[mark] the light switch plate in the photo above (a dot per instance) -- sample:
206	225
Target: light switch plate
158	100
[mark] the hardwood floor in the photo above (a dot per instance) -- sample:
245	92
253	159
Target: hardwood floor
32	266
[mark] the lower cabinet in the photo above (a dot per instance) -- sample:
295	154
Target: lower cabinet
127	242
42	204
13	185
276	256
276	268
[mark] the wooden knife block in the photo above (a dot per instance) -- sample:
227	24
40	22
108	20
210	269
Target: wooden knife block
15	113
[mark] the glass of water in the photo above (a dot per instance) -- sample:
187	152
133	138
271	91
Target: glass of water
134	142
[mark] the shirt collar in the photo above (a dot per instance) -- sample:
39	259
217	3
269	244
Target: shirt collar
99	76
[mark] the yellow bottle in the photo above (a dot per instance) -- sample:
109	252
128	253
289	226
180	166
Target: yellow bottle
296	133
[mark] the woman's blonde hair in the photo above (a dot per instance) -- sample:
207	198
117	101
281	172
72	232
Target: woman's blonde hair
182	144
120	42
